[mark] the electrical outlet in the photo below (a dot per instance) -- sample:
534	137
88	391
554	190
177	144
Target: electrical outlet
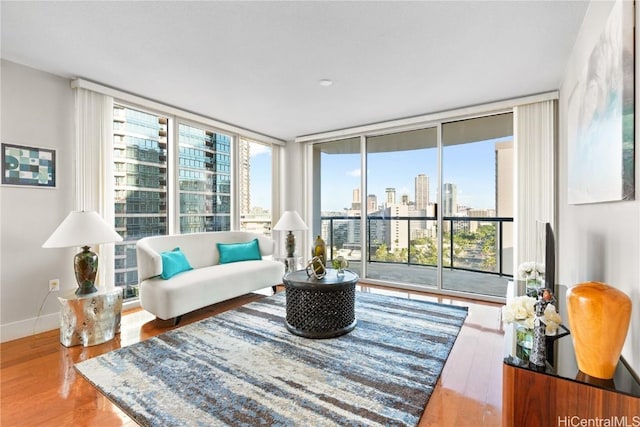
54	285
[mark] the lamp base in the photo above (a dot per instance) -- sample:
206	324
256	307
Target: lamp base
85	265
290	243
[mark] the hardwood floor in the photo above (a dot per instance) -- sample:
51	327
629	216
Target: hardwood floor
39	386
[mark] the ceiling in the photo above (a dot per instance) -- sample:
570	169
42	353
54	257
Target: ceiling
257	65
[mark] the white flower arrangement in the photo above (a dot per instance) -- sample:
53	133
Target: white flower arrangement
552	319
531	270
521	310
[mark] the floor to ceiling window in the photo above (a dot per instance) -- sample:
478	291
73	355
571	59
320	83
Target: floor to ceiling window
254	182
340	206
140	174
477	204
204	179
171	176
437	204
402	179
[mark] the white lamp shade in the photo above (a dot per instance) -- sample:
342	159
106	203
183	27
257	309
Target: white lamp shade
290	220
82	228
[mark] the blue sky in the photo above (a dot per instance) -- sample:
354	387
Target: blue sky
470	166
260	176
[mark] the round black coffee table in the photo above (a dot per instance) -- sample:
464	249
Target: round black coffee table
320	308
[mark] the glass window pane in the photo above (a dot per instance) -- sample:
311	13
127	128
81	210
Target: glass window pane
477	199
340	210
204	179
140	175
401	182
255	176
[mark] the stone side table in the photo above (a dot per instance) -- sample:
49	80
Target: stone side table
291	264
90	319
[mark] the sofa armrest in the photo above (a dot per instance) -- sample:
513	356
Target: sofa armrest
267	246
149	261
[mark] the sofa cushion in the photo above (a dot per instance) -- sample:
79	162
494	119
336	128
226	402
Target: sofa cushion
174	262
233	252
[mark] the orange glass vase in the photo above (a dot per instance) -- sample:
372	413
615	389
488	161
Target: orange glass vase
599	317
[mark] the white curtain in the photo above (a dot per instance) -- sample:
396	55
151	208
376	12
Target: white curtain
94	187
535	136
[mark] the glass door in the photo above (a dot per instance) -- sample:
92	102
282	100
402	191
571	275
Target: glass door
477	204
401	183
437	204
338	164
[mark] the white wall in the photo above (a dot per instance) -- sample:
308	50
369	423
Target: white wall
599	242
37	110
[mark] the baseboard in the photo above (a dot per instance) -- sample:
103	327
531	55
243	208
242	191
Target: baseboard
24	328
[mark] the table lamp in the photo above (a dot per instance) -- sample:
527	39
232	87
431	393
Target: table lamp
83	228
290	221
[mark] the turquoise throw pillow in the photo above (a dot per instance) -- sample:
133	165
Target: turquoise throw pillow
233	252
174	262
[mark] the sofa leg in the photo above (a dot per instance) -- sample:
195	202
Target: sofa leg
176	320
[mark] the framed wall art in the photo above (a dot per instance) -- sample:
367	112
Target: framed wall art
28	166
601	115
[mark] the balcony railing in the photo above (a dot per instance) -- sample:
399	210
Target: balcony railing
474	244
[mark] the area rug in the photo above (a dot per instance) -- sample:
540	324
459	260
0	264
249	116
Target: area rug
243	368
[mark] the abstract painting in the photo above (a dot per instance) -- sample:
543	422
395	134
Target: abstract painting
30	166
601	116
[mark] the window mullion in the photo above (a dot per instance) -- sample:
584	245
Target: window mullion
173	187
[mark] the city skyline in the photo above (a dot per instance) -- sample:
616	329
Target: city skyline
471	167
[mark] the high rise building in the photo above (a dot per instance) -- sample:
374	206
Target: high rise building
450	200
504	199
244	176
397	236
140	184
372	203
390	195
204	180
422	191
355	200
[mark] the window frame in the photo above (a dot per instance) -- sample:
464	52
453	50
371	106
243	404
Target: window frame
173	159
311	209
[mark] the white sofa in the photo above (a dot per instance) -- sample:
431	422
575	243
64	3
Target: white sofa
209	282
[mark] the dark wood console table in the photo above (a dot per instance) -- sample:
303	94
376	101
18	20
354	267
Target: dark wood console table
561	395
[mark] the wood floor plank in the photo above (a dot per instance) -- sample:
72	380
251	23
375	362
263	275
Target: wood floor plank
40	387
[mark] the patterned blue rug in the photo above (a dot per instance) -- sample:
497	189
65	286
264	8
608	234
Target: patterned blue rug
243	368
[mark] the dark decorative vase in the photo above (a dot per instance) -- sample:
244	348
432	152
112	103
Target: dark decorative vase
85	264
538	355
320	250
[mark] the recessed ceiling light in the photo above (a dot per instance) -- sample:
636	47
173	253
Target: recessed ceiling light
325	82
